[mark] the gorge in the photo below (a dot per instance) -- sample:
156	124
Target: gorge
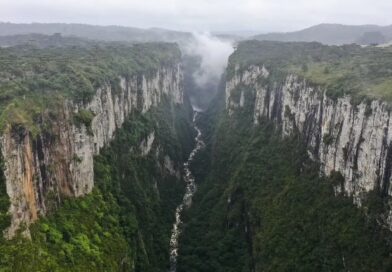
190	189
102	151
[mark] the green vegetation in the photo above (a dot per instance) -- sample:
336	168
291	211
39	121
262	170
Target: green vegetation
349	69
36	80
125	223
84	117
261	206
84	235
4	199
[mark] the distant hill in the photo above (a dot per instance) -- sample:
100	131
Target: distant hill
43	41
334	34
93	32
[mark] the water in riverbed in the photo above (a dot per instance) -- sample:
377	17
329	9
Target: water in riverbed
187	199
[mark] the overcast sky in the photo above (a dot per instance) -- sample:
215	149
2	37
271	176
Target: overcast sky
208	15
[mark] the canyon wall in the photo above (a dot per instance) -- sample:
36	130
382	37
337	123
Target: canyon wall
58	161
354	139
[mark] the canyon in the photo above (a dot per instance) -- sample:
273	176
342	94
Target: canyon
133	155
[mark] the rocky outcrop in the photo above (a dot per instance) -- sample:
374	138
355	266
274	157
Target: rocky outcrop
354	139
146	145
58	161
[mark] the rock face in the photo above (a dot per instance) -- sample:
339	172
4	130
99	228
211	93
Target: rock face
352	139
40	169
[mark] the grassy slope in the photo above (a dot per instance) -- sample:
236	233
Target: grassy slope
349	69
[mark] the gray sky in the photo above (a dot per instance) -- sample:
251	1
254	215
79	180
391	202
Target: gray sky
209	15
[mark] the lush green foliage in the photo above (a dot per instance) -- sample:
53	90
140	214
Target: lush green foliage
261	206
125	223
84	235
33	80
349	69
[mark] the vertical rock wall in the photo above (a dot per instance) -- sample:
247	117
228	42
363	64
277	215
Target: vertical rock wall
59	160
352	139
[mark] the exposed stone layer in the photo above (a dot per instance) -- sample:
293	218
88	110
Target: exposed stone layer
352	139
59	161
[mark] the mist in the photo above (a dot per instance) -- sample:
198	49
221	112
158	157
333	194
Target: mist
214	53
205	61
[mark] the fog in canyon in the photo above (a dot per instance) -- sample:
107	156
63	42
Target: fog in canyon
205	59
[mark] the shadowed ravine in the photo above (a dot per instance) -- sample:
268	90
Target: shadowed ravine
187	199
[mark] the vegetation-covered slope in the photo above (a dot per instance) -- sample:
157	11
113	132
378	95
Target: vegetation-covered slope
33	80
350	69
261	206
125	223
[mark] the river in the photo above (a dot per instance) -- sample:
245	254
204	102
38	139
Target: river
190	189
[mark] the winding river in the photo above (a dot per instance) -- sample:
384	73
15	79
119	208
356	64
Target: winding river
187	199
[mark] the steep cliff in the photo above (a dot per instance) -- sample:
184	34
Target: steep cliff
124	224
55	158
345	133
297	137
262	205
